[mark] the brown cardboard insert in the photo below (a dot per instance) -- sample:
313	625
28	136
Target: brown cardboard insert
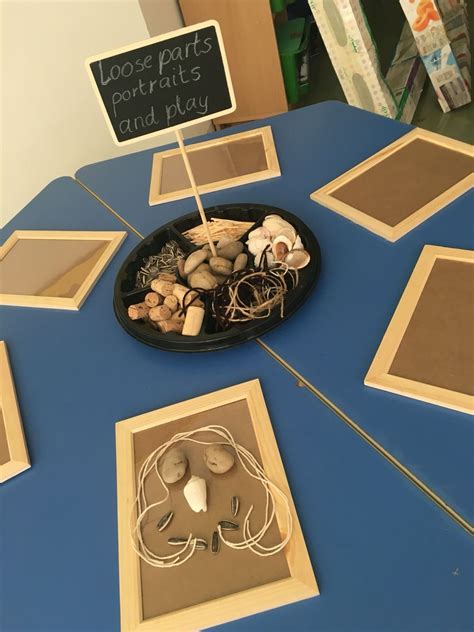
438	345
405	181
49	267
205	576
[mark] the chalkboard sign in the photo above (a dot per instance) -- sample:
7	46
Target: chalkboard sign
164	83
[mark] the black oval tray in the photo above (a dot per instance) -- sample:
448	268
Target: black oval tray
209	339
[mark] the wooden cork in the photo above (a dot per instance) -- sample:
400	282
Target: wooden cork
152	299
137	311
159	313
178	316
193	322
167	326
171	302
180	290
165	276
165	288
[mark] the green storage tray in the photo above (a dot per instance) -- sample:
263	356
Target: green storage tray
293	40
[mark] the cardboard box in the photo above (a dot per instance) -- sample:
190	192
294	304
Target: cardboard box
444	48
406	76
353	54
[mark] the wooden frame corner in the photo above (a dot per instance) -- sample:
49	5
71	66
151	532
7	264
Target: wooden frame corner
10	416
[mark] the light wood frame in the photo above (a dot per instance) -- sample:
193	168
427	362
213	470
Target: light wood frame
115	239
154	40
378	375
19	460
300	585
393	233
272	170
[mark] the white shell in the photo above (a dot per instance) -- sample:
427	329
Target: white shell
270	258
276	225
256	245
195	493
259	232
297	259
281	247
298	245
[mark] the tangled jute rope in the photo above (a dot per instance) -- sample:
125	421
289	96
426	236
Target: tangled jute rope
253	469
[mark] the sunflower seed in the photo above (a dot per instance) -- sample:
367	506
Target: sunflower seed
227	525
216	543
165	520
235	505
177	541
201	544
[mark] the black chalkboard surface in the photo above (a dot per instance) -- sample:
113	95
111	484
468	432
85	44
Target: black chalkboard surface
163	83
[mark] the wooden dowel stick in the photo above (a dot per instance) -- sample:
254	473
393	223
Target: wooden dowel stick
189	171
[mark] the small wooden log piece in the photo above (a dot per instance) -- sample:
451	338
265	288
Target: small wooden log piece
159	313
152	299
171	302
165	276
165	326
137	311
165	288
193	322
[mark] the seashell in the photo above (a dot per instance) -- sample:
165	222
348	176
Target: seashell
219	265
256	245
201	544
195	258
177	541
231	250
276	224
173	466
298	245
235	505
281	247
215	543
240	262
202	280
195	493
165	521
227	525
259	233
297	259
218	459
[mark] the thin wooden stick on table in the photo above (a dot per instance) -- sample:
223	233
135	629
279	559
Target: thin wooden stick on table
189	171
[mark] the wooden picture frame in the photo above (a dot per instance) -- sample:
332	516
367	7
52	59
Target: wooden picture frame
112	239
13	448
300	584
393	231
153	40
381	373
156	196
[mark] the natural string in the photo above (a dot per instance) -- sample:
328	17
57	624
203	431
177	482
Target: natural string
252	542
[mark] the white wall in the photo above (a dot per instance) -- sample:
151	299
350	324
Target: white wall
51	123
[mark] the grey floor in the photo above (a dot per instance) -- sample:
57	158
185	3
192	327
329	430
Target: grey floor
386	20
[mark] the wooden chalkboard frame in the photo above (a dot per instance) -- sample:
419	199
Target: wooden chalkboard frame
19	459
324	195
148	42
115	239
301	584
272	170
378	375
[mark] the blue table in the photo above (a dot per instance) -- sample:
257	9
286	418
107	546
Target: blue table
385	557
362	279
